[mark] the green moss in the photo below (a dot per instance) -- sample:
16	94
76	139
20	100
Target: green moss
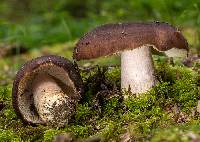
111	107
83	113
80	131
113	75
182	86
5	94
110	130
103	112
9	136
29	133
144	114
9	113
49	134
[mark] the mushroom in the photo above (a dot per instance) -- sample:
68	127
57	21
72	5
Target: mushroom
133	41
46	90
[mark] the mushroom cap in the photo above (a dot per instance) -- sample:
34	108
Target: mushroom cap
62	71
113	38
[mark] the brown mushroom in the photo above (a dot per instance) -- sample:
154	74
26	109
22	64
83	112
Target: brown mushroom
133	41
46	90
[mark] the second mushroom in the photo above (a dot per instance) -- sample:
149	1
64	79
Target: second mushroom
46	90
133	41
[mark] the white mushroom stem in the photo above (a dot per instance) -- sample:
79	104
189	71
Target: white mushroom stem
47	94
137	70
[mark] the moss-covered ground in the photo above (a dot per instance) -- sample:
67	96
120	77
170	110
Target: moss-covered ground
168	112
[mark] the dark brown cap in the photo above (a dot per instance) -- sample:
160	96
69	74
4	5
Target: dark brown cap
113	38
57	67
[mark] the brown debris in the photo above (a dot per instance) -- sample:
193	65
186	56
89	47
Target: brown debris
10	50
126	137
194	137
177	115
64	137
198	106
189	62
2	105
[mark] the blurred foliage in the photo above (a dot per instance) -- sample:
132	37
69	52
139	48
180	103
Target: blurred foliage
34	23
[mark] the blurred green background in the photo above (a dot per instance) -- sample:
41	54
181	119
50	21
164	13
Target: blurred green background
35	23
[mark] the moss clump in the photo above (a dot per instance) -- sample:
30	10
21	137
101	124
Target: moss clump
80	131
83	113
7	114
182	86
9	135
5	94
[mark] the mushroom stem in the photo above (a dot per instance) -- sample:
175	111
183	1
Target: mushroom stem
137	70
46	93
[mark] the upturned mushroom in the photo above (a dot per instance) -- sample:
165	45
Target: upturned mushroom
133	41
46	90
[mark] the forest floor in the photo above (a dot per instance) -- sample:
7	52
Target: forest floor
168	112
